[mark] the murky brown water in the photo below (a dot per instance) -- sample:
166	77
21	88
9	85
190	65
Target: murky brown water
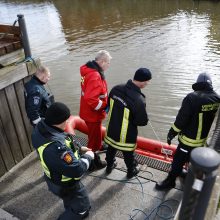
175	39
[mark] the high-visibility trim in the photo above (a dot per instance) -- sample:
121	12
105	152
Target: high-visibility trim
124	127
210	107
44	166
82	79
103	96
120	146
185	151
175	128
199	132
36	120
110	113
86	162
99	105
192	142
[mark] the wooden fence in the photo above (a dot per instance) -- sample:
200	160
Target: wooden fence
15	128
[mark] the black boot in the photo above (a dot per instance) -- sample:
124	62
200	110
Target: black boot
133	172
184	173
99	164
110	168
168	183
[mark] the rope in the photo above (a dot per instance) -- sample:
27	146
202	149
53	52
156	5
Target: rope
164	151
157	209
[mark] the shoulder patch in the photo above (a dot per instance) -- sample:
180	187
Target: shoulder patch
36	100
66	156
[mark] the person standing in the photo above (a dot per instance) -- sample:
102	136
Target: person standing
127	111
93	101
64	161
192	125
37	99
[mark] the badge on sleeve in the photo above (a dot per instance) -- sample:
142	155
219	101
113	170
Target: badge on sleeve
36	100
66	156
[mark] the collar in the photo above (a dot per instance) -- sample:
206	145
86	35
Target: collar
38	80
94	65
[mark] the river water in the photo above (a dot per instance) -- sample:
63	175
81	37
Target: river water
175	39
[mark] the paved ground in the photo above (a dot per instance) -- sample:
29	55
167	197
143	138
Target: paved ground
24	194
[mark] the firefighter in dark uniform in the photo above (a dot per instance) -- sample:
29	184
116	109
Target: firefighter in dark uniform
37	99
192	125
63	161
127	111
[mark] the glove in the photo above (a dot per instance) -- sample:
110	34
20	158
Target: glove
91	154
171	134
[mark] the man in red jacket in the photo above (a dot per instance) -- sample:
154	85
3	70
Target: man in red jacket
94	95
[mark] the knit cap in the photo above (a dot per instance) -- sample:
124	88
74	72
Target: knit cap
142	74
57	113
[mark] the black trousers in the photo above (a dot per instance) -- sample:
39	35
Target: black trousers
181	156
75	199
129	159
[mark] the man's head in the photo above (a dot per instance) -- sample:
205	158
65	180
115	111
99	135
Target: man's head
103	59
141	77
57	115
43	74
204	77
203	82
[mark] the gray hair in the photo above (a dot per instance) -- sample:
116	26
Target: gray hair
103	55
42	70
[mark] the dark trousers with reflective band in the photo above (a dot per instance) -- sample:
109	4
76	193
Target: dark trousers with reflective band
128	158
181	156
75	200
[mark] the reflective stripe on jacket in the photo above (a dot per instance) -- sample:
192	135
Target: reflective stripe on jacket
195	117
44	166
127	111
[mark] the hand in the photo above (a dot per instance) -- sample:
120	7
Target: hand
171	134
83	150
168	140
91	154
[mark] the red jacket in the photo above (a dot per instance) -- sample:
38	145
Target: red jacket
94	93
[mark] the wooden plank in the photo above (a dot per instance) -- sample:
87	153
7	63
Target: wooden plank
33	65
26	79
17	119
9	127
12	74
5	150
9	48
19	88
13	57
10	29
2	52
2	167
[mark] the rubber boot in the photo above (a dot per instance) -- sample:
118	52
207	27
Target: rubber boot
110	168
99	164
168	183
133	172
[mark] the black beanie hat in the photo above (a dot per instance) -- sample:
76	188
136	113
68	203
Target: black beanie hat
57	113
142	74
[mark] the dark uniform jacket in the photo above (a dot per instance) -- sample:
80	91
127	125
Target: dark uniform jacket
127	110
59	155
196	115
37	99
